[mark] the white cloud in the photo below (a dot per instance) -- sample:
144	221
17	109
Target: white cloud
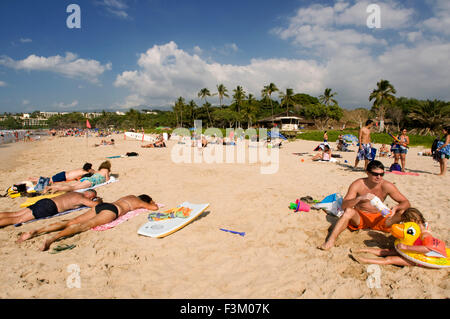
440	22
70	66
115	7
357	57
66	106
197	50
2	83
25	102
25	40
167	72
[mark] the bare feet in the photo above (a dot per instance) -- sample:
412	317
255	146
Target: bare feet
356	258
46	245
326	246
24	237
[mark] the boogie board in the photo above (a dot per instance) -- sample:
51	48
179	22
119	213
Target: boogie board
140	136
163	228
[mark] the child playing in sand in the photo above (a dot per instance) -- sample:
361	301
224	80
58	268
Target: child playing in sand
392	257
325	155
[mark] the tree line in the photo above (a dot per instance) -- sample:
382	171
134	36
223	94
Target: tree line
245	109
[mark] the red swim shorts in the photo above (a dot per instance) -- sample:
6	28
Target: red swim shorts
374	221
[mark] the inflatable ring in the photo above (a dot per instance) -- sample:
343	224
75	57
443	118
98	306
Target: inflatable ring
421	259
411	232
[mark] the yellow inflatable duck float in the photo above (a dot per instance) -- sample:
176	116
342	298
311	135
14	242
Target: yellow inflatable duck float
409	234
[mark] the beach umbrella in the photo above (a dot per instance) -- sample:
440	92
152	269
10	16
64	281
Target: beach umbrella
350	138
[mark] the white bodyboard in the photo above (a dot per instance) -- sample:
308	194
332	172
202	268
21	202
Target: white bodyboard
138	136
162	228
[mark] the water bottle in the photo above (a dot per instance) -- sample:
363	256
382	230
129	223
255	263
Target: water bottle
384	210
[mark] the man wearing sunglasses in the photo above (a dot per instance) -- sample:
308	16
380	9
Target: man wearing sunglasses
359	213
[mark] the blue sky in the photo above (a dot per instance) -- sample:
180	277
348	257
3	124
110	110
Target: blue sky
134	53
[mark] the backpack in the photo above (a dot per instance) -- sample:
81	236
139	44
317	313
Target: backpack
395	167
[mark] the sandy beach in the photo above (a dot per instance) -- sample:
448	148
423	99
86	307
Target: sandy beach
277	257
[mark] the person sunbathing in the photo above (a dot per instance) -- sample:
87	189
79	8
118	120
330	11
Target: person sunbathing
101	176
384	152
71	175
99	215
49	206
105	142
159	143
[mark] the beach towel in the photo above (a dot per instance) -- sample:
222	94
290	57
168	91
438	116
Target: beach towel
59	214
112	179
331	204
122	218
332	160
177	212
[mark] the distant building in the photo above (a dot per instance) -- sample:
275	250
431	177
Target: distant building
120	113
92	115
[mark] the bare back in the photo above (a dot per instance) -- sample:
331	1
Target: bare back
69	200
131	202
75	174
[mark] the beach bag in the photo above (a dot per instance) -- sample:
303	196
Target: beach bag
331	204
132	154
395	167
42	183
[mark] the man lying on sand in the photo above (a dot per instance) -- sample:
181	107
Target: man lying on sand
100	177
359	213
69	175
49	206
99	215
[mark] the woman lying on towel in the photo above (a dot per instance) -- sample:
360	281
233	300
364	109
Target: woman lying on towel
159	143
101	176
324	155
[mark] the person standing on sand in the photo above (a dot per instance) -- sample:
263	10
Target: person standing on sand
365	145
444	156
359	213
49	206
98	215
400	148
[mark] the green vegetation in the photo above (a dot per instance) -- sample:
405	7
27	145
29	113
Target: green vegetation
378	138
245	110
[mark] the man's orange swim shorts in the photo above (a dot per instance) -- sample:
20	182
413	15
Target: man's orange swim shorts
374	221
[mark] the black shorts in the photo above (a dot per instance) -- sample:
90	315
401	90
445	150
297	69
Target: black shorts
43	208
107	206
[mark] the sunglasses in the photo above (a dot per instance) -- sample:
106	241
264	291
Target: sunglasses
376	174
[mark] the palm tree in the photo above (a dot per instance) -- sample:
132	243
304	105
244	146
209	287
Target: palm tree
250	109
203	94
221	92
430	114
238	97
327	97
286	99
180	106
383	95
191	107
267	92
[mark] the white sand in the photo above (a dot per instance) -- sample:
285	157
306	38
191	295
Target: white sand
277	258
